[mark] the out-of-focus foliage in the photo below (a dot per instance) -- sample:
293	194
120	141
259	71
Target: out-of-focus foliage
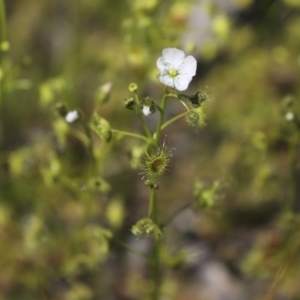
67	197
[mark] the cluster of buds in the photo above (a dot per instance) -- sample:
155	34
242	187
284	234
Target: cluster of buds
147	106
196	116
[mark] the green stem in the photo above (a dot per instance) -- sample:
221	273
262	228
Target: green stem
152	203
138	136
153	210
156	270
172	120
183	103
161	117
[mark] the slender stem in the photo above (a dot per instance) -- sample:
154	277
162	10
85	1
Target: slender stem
156	249
169	122
152	203
156	270
183	103
161	117
153	209
138	136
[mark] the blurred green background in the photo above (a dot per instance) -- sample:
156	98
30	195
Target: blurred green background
61	228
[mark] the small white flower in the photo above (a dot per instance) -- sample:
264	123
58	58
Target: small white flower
72	116
176	70
146	110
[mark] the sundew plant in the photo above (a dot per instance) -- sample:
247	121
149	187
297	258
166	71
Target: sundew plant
149	150
176	72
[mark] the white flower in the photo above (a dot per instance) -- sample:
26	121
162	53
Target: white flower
176	70
146	110
72	116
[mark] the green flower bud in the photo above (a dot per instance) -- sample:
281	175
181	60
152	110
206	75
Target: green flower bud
146	227
100	126
192	118
197	99
196	117
129	103
133	87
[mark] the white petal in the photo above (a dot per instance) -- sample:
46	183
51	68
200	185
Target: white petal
161	64
188	67
173	56
167	80
146	110
182	82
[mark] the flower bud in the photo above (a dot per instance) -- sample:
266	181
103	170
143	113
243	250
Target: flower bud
192	118
129	103
101	127
148	106
133	87
146	227
197	99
